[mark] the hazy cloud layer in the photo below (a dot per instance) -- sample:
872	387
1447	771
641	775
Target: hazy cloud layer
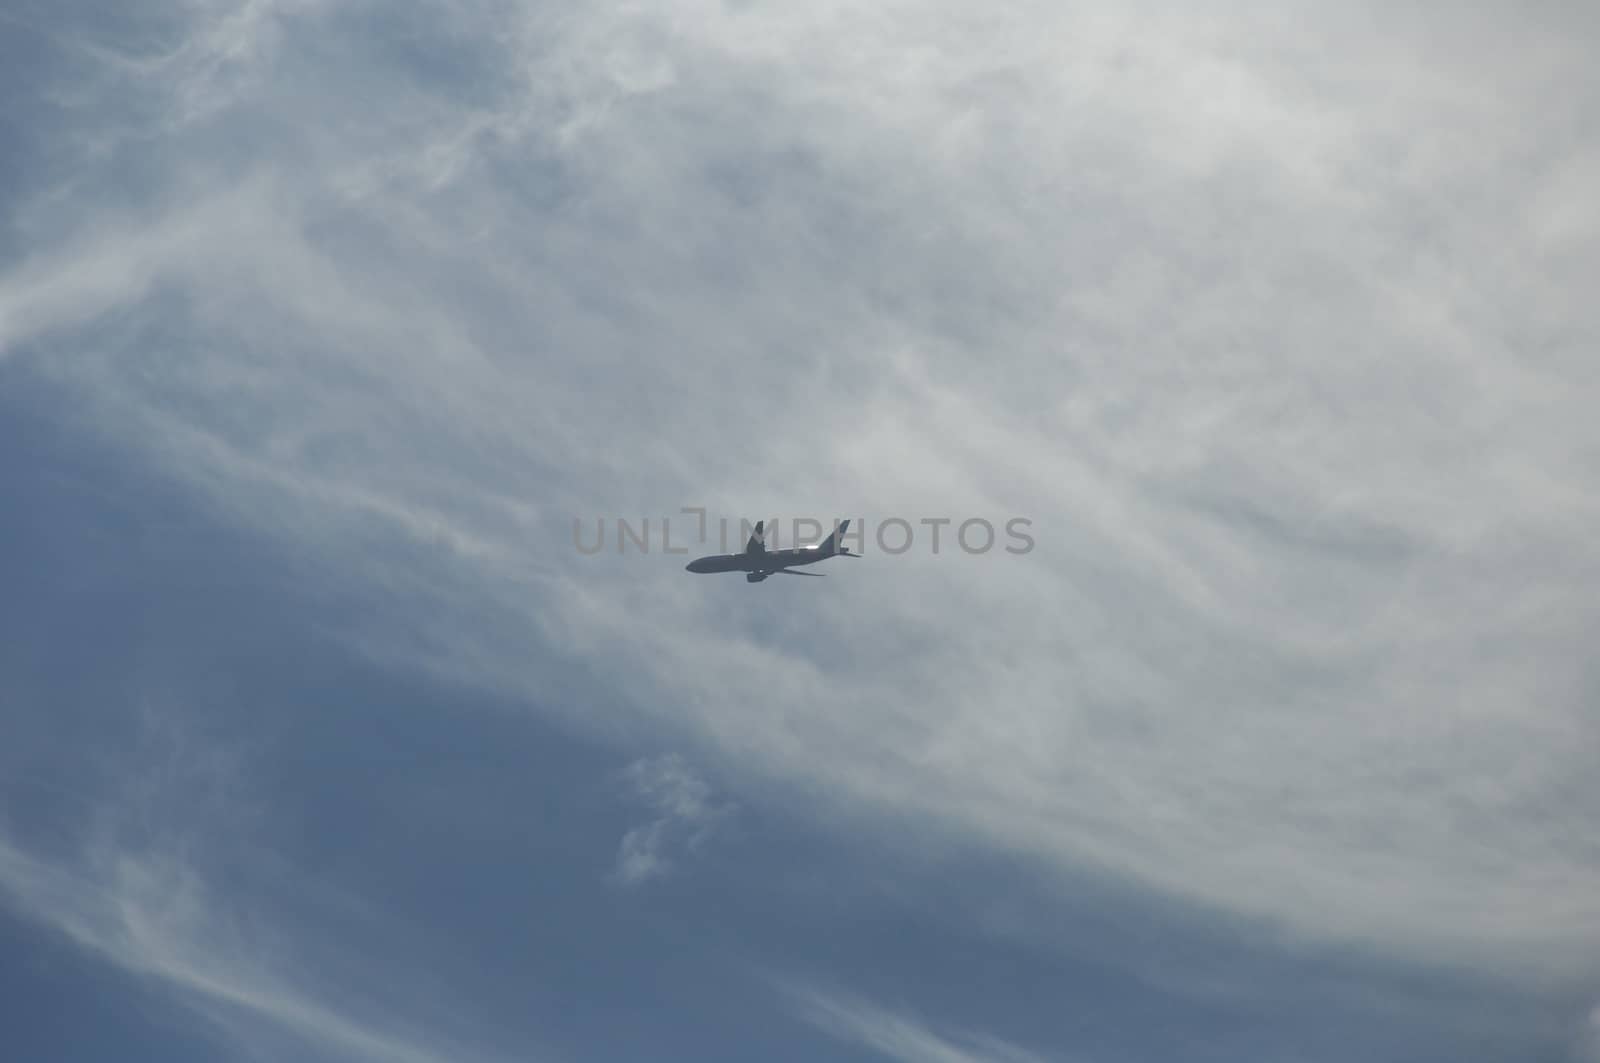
1277	324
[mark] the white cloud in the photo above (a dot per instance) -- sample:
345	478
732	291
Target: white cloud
685	816
1260	318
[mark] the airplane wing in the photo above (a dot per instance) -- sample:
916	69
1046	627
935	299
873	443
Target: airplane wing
757	543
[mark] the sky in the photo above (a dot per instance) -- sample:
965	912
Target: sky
323	326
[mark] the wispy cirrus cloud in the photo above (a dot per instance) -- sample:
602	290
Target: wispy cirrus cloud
142	876
896	1035
685	814
155	918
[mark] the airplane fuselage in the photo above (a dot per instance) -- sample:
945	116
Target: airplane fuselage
759	561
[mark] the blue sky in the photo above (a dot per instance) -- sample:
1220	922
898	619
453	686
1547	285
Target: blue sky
320	323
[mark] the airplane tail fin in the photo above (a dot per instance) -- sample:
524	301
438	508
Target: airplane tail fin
758	539
830	545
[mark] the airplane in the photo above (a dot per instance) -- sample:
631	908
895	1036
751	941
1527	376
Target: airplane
757	562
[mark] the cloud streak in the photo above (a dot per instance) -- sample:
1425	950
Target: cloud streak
151	917
897	1036
138	877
